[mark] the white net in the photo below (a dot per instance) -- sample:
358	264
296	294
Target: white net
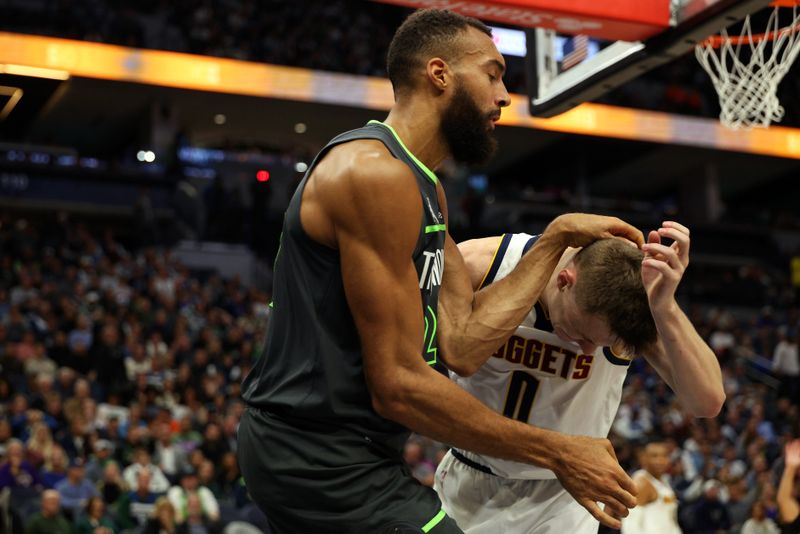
746	70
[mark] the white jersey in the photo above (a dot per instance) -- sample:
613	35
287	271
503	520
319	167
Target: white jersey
657	517
538	378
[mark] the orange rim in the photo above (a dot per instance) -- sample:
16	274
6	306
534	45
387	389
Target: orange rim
715	41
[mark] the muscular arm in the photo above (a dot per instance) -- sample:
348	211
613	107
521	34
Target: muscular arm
382	290
687	364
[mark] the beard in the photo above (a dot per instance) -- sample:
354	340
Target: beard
465	130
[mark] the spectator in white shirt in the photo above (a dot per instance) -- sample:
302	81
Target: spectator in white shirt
138	362
168	457
179	497
759	523
158	482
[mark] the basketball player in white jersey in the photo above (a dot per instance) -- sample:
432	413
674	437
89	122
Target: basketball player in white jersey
564	369
657	509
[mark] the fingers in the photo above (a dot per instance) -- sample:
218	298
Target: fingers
668	254
662	267
599	514
623	229
628	493
681	242
681	228
615	508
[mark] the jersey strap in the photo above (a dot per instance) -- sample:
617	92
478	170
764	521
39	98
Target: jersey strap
497	260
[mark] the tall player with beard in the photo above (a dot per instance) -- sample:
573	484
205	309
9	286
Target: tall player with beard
371	295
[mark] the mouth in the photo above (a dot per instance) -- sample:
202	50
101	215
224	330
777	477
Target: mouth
493	118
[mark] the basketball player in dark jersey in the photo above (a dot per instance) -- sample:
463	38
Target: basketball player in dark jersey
371	295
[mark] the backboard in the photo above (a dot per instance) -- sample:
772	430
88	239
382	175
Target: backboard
565	70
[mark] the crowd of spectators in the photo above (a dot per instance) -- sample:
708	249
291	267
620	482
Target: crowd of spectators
341	35
121	371
119	391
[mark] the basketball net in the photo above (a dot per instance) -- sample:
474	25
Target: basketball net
747	69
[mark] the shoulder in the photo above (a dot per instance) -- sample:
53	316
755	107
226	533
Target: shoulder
362	184
363	165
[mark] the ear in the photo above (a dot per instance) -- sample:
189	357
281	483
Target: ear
438	73
566	278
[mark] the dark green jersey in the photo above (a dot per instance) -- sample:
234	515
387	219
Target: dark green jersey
312	369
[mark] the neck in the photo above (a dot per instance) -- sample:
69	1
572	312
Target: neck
417	124
547	296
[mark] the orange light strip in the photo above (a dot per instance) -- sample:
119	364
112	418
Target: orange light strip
185	71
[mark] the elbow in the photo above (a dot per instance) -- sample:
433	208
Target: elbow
464	365
711	406
392	402
461	368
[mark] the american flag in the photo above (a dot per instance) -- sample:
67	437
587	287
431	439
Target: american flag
575	51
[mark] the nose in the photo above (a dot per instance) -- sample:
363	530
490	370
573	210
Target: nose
503	100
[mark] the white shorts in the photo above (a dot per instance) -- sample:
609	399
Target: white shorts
482	503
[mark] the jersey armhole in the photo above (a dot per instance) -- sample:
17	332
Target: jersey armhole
616	359
497	260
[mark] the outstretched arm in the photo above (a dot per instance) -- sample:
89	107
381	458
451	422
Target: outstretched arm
474	324
788	507
680	356
382	290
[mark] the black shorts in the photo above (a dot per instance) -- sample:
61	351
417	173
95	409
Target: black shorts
313	481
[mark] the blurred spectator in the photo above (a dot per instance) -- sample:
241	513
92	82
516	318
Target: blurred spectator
40	445
168	456
140	502
55	468
103	451
214	444
759	523
95	520
197	519
189	487
788	506
138	362
111	487
162	520
158	482
206	474
228	479
75	490
20	476
49	520
786	364
710	515
741	498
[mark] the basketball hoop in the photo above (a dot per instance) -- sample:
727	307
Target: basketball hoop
747	86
